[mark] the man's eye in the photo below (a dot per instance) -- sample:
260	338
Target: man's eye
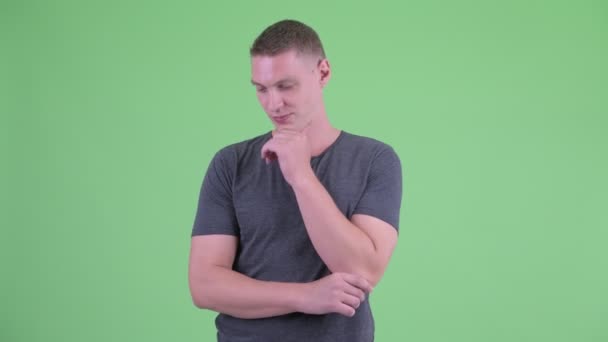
285	87
261	90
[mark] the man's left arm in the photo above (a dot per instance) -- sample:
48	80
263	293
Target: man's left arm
364	244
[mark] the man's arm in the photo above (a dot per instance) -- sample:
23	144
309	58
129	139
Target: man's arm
215	286
363	246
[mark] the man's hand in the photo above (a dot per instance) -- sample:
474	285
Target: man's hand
293	152
336	293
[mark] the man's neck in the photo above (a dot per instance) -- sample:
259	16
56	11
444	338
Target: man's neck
321	137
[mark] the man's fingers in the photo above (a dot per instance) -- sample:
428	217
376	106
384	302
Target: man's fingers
351	301
270	156
345	310
268	152
358	282
271	147
264	150
355	292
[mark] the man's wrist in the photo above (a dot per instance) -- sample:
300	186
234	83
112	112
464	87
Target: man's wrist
297	297
304	181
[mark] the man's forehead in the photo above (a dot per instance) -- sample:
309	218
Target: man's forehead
288	79
282	67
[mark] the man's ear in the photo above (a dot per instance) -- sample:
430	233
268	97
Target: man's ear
324	71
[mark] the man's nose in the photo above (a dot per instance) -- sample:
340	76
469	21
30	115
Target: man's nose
275	101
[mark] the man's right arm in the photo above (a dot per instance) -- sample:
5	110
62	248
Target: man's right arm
216	286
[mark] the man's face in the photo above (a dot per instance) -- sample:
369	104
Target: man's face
289	87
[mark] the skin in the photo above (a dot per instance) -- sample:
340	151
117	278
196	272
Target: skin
356	251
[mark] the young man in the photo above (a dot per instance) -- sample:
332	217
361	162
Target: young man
294	227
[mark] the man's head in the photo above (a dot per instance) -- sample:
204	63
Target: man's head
289	71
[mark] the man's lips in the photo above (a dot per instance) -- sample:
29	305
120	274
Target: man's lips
281	118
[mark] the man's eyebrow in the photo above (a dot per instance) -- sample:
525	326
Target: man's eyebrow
285	80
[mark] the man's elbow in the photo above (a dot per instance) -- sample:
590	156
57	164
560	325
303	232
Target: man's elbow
373	276
199	299
374	269
376	265
200	295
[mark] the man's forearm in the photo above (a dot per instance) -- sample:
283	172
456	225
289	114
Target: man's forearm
229	292
342	245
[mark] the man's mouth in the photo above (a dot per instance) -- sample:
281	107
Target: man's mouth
282	118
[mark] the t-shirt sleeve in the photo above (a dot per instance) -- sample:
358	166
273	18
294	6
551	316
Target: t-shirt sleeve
215	213
381	197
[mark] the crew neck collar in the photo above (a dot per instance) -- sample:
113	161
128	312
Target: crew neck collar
330	147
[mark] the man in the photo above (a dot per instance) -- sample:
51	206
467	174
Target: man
294	227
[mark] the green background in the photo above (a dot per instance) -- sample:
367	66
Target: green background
111	111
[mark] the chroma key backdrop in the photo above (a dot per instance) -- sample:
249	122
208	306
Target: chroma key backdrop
112	110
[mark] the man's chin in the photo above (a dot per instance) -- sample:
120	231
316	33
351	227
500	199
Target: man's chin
290	125
286	125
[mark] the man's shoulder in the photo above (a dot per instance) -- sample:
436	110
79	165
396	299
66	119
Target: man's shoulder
367	144
243	147
363	139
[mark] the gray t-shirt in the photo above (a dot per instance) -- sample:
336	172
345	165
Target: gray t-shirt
243	196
